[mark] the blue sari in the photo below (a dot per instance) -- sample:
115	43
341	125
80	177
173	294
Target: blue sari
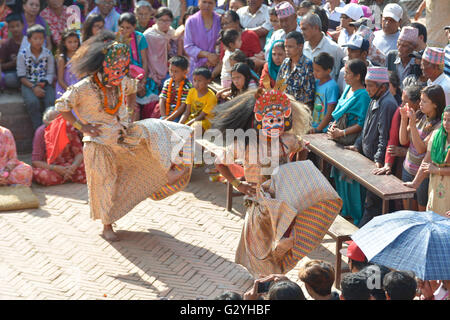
351	192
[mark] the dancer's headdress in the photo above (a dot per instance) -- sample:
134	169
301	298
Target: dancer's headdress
117	60
273	113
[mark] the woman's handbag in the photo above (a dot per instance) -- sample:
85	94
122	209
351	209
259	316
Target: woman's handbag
348	139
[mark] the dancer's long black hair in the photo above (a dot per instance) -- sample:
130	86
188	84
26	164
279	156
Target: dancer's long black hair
90	56
235	114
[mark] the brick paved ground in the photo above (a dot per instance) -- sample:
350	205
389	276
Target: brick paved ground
180	248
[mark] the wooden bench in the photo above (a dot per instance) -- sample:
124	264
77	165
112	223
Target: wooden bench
359	168
340	231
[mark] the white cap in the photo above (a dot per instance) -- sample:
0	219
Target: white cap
394	11
352	10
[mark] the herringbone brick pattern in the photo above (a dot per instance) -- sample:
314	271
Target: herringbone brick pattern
179	248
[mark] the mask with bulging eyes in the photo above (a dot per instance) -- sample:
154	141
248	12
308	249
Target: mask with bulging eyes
116	64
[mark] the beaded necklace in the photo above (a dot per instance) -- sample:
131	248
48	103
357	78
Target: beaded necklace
106	107
169	96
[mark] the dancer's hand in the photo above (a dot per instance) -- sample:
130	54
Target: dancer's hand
91	130
247	189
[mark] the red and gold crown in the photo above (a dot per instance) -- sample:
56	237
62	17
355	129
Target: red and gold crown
270	100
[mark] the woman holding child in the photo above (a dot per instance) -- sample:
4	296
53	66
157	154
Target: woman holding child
118	154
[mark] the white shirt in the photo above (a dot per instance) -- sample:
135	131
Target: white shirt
225	74
175	7
329	46
259	19
344	37
444	81
385	42
280	34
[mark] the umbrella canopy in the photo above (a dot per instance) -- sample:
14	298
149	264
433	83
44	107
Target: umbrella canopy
409	241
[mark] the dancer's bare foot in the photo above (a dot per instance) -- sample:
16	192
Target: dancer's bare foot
109	234
174	174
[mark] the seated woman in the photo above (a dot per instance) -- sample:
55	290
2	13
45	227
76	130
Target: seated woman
277	54
347	123
57	158
12	171
436	165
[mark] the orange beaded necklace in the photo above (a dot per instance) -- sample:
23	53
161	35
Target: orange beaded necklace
106	107
169	96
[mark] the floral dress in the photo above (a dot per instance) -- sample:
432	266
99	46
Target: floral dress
48	177
438	188
21	172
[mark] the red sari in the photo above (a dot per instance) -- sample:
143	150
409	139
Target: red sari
65	158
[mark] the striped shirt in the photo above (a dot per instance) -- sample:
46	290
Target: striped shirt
447	60
413	158
174	94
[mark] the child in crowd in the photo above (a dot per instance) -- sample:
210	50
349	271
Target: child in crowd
91	26
67	47
297	70
36	71
277	54
231	40
241	80
172	100
200	100
9	51
327	93
239	56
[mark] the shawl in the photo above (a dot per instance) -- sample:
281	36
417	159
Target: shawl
438	150
157	52
273	68
55	138
356	104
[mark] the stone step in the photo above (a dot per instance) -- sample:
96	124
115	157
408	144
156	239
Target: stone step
15	118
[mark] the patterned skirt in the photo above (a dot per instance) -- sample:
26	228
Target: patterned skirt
121	176
287	220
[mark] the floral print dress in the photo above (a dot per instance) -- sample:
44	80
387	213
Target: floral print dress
48	177
18	171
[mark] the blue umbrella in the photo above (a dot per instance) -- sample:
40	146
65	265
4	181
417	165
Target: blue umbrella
408	241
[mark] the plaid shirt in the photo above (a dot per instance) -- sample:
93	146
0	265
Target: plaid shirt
300	80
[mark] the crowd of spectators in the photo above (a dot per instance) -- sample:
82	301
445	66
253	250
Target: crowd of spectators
368	75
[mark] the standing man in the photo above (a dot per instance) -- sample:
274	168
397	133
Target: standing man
288	22
297	70
399	61
433	68
255	17
386	38
317	42
357	48
372	142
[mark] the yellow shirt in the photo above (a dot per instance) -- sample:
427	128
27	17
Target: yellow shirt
204	104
